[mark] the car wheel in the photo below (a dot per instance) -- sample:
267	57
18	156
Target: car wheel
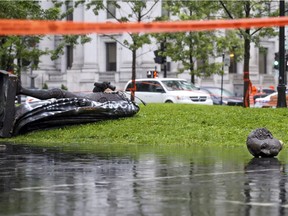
168	101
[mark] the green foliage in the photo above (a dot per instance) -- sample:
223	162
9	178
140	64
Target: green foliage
70	40
59	50
190	125
10	9
194	50
138	11
45	86
24	49
15	47
129	10
250	9
63	87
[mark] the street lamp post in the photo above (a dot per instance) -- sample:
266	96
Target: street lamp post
281	88
223	61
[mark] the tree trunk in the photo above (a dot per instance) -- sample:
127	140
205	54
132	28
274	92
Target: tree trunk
247	40
247	83
191	66
193	78
133	75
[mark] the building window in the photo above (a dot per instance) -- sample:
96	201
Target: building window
263	61
69	56
201	66
233	63
69	10
168	66
111	55
267	7
165	12
111	10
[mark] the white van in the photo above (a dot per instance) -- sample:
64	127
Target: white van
167	90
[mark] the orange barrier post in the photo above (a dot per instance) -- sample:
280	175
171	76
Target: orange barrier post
251	96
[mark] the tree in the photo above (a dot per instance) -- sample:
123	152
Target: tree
67	40
21	49
195	51
131	11
249	9
22	52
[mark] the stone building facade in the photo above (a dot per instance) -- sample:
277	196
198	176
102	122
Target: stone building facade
103	59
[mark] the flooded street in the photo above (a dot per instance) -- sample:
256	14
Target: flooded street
148	181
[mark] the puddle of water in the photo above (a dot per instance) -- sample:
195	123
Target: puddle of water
192	181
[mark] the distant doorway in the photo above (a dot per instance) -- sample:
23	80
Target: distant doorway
263	60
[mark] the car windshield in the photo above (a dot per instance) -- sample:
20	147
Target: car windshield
176	85
217	92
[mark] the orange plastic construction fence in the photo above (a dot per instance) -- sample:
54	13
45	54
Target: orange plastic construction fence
41	27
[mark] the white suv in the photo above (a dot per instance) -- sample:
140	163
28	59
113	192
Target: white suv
168	90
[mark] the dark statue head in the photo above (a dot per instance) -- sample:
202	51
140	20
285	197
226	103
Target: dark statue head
261	143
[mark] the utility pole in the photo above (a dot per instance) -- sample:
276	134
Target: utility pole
281	88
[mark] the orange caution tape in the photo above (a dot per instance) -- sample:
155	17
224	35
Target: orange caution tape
41	27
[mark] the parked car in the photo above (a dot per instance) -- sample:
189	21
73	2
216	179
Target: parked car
168	90
228	98
270	101
263	93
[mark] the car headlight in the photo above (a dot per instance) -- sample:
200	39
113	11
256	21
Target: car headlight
182	97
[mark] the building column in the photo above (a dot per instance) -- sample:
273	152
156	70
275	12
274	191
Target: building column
48	42
78	53
90	48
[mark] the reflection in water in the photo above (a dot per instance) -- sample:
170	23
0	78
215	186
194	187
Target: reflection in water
265	186
188	182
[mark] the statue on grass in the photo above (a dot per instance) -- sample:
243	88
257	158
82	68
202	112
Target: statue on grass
261	143
58	107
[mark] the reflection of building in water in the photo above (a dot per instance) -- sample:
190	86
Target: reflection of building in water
265	187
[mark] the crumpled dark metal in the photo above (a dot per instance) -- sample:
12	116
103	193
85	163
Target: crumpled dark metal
261	143
66	111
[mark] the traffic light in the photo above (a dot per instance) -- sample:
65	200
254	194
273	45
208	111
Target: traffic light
159	59
276	61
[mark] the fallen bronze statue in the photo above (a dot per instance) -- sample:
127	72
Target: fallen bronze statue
261	143
57	107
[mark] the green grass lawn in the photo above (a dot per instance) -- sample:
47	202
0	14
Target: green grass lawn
166	125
